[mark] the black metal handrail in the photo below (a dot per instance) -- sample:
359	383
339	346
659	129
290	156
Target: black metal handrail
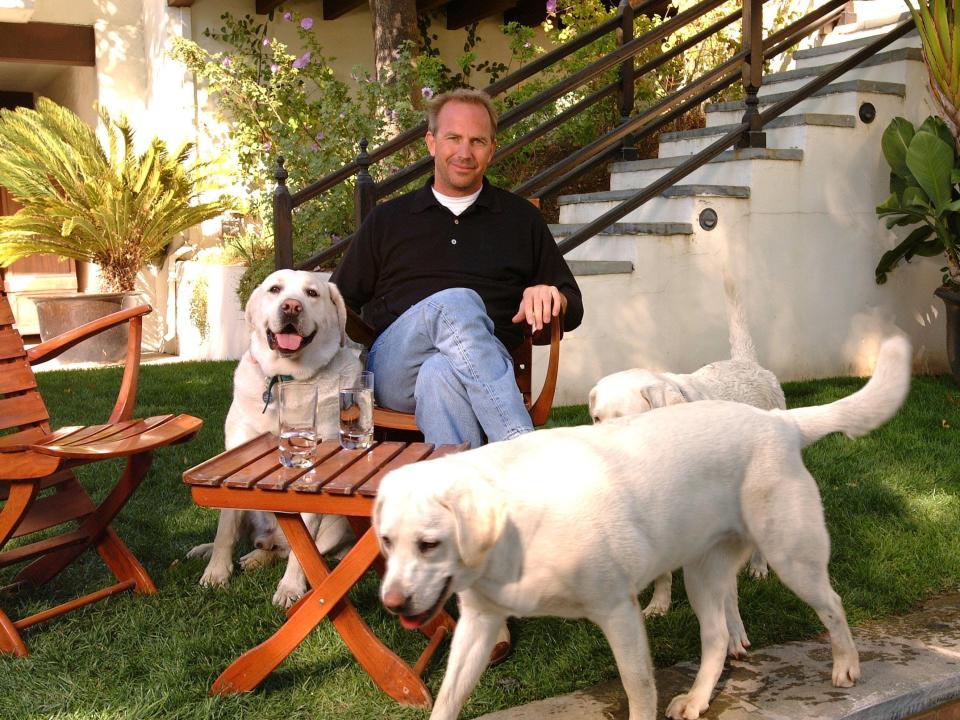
729	139
744	64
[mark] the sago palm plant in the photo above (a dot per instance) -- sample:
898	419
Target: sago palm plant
936	22
81	200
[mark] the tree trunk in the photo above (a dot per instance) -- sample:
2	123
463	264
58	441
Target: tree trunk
394	22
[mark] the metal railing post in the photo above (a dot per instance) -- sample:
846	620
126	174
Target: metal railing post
364	190
752	72
628	151
282	219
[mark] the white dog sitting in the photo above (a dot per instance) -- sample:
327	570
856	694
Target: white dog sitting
575	522
296	322
739	379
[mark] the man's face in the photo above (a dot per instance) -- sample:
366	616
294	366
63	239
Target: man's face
461	148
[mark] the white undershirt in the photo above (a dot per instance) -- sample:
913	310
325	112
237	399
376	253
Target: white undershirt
456	205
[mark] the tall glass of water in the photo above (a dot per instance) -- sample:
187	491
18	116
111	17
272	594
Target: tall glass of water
298	423
356	411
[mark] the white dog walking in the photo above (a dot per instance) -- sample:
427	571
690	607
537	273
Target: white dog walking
574	522
739	379
296	322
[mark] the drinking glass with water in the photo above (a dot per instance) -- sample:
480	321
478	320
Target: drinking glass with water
356	411
298	423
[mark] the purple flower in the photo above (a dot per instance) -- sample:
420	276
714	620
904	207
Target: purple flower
266	146
321	135
266	42
552	6
306	23
227	62
391	115
288	16
526	44
427	92
274	67
302	61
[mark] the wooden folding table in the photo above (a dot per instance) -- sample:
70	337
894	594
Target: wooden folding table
340	482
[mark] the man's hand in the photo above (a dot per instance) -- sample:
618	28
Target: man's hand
540	303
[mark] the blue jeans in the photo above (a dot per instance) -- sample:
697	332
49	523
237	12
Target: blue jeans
441	361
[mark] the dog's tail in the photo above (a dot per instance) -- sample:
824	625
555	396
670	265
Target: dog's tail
741	343
869	407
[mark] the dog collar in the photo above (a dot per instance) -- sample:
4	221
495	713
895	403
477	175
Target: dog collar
268	392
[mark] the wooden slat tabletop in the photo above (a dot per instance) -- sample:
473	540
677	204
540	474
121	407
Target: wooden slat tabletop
255	465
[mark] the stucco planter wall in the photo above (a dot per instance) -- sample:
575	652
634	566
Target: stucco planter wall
210	322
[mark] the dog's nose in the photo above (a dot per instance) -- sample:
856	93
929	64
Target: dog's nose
395	602
291	307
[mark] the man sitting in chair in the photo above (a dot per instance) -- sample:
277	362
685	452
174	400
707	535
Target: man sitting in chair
446	274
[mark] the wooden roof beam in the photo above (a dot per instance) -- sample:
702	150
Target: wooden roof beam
265	7
461	13
180	3
332	9
48	43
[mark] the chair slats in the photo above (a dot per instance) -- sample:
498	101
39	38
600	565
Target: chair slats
16	376
153	432
69	502
11	344
47	482
6	312
25	552
22	410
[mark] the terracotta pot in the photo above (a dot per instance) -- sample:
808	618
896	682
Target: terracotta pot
60	313
951	301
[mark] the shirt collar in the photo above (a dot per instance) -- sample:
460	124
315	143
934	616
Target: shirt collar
424	198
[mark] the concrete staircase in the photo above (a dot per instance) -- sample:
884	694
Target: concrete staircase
794	223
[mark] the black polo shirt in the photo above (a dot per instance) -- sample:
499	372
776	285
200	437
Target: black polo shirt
412	246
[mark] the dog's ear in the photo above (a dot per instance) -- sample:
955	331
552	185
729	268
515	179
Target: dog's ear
654	395
341	306
682	390
252	302
592	400
479	515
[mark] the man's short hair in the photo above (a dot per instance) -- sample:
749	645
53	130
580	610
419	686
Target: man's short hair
464	95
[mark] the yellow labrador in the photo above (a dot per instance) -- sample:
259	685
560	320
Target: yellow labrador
296	323
574	522
739	379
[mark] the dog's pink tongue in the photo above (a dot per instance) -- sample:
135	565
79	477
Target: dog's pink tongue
289	341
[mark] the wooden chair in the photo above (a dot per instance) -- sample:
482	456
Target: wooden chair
38	489
392	421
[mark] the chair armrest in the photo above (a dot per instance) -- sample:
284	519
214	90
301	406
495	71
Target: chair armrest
126	396
540	409
50	349
26	464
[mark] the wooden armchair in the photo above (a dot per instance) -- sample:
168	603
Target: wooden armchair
38	489
392	420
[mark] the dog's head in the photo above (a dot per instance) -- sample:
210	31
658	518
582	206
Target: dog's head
436	522
635	391
296	321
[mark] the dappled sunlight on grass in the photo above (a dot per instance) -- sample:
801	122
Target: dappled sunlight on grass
892	502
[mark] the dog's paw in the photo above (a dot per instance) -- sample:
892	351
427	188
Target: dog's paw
846	672
258	558
216	575
656	608
758	568
685	707
201	551
737	646
288	593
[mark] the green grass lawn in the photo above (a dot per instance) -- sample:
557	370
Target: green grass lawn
891	502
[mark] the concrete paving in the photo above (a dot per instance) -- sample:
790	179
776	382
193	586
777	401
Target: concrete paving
909	664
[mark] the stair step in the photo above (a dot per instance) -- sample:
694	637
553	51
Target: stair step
599	267
801	119
677	191
663	163
568	229
850	45
862	86
896	65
